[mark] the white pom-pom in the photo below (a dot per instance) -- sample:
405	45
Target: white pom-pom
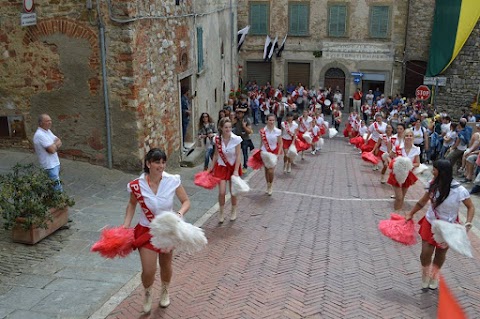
170	231
292	151
454	235
401	167
239	186
269	159
420	169
332	132
307	137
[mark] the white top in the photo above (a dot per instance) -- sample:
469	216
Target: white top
229	150
417	135
385	139
398	142
316	130
453	136
292	127
41	140
375	135
363	130
320	121
414	151
445	128
307	123
271	138
161	201
448	210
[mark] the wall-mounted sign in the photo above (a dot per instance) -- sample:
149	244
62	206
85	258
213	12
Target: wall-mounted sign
27	19
28	6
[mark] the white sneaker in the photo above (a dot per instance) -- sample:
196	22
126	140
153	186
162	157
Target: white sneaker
433	284
314	152
164	297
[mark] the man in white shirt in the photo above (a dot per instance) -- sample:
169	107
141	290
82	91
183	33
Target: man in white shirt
46	145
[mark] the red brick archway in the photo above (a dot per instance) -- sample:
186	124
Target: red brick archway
71	29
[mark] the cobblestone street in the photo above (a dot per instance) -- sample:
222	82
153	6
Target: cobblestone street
312	250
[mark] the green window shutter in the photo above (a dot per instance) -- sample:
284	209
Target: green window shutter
298	17
337	19
259	18
379	21
200	48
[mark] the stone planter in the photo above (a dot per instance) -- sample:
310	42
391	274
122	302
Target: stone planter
34	234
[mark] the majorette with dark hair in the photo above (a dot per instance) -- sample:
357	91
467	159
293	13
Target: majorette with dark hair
226	162
374	132
289	136
305	124
154	191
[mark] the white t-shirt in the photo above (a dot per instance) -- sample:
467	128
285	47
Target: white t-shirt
417	135
453	136
161	201
448	209
373	130
271	138
41	140
229	150
445	128
302	124
363	130
292	127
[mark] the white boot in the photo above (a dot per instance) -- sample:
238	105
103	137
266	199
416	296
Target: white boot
233	215
425	277
221	217
289	168
435	273
285	167
147	302
383	180
164	298
269	189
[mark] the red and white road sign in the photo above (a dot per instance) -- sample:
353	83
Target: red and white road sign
28	5
422	92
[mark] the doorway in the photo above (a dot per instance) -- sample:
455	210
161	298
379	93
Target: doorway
187	114
335	79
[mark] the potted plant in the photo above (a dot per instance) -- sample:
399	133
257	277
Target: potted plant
29	204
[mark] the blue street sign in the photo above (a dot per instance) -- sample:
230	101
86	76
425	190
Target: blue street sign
356	80
360	74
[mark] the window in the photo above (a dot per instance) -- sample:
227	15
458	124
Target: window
298	19
379	16
259	18
12	126
200	48
337	21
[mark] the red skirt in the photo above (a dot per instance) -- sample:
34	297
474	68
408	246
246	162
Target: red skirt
142	238
301	146
225	172
323	130
411	179
357	141
315	139
426	234
286	143
369	146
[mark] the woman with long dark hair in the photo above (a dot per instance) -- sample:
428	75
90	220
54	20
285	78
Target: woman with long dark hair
206	132
154	191
445	195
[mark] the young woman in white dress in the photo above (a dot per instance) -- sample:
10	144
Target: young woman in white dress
271	139
289	135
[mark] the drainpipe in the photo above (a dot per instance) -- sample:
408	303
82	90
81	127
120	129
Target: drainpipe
103	53
234	44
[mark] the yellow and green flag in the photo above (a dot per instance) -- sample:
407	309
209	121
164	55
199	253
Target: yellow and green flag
453	23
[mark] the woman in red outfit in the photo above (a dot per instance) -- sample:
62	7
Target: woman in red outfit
413	153
154	190
226	162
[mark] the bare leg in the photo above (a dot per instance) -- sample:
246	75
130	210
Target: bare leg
398	204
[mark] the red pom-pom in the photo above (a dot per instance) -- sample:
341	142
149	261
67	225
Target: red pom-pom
115	242
397	229
255	160
357	141
369	157
206	180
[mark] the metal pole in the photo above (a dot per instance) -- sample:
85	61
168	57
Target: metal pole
435	94
103	53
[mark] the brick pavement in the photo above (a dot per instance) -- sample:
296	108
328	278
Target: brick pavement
312	250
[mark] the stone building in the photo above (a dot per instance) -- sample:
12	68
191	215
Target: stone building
326	42
153	49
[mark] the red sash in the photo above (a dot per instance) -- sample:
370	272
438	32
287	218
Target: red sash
303	124
263	135
135	187
287	128
220	151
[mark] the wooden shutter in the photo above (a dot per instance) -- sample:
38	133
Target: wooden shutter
379	17
337	21
200	48
299	72
298	17
260	72
259	18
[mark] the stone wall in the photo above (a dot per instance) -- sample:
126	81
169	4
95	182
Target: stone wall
54	67
463	78
420	24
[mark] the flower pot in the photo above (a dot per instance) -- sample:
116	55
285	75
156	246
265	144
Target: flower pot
35	234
